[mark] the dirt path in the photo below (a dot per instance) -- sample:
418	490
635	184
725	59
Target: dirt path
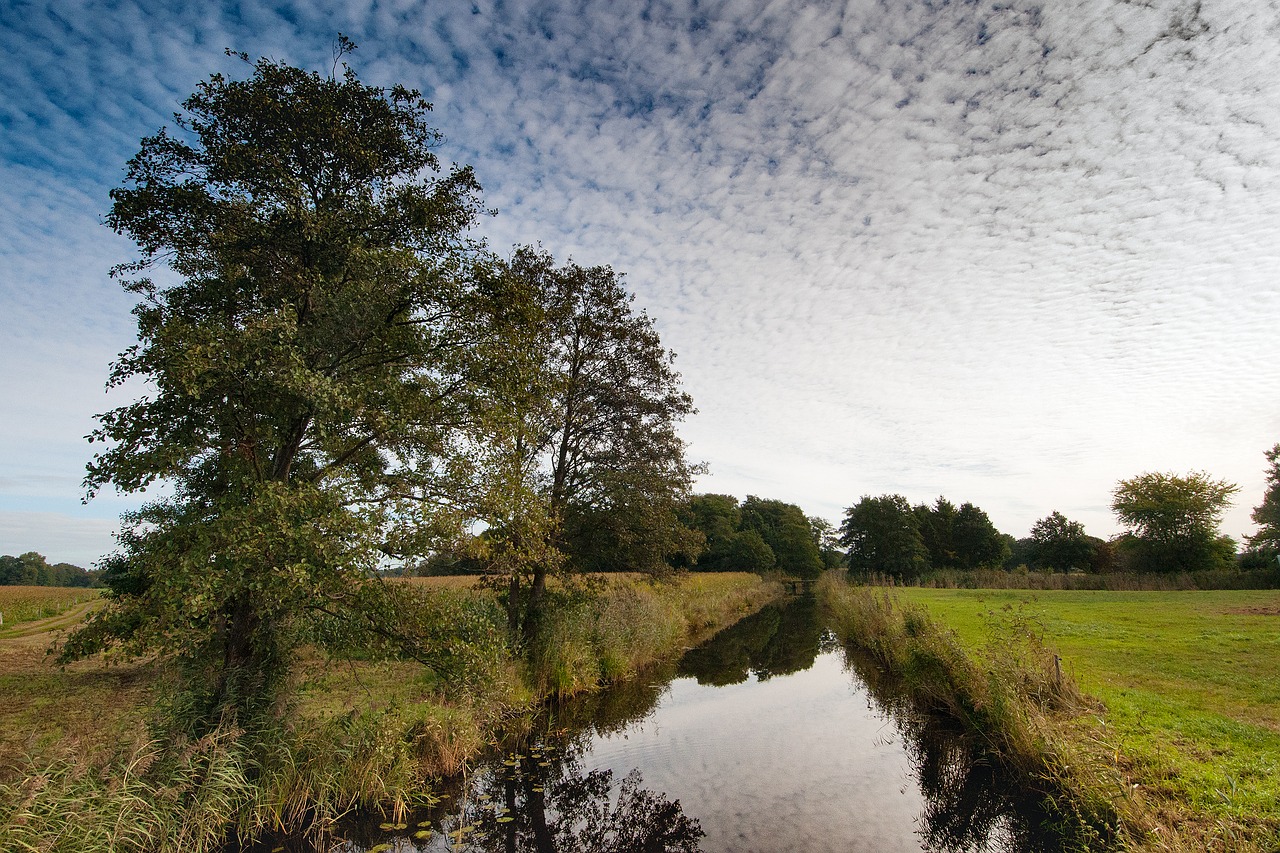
66	619
85	709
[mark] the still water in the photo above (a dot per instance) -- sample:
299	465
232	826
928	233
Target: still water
769	737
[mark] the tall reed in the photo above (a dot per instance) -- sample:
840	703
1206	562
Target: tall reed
1009	698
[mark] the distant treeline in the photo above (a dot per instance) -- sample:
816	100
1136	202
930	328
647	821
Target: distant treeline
32	569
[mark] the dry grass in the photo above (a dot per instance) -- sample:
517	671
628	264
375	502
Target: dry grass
78	770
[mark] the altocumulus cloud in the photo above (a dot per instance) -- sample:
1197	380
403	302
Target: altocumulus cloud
1004	251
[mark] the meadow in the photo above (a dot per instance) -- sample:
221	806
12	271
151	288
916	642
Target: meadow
1189	686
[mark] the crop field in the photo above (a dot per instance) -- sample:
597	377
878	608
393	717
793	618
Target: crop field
24	604
1190	682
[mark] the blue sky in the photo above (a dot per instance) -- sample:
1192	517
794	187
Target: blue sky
1006	252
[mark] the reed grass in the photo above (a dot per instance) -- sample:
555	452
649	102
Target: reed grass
369	733
1013	700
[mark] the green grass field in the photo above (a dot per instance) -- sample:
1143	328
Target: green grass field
1190	682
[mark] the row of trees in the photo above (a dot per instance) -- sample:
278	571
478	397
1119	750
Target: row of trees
886	534
757	535
32	569
1172	526
342	379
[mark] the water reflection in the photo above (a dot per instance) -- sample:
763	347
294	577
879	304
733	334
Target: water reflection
969	802
542	803
768	737
778	640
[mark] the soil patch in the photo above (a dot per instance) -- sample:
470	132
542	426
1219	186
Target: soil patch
1256	610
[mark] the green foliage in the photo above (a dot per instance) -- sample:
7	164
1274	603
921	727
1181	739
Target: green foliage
883	535
961	538
308	362
937	531
32	569
786	530
1173	522
977	542
584	467
1264	545
748	552
758	535
1060	544
717	519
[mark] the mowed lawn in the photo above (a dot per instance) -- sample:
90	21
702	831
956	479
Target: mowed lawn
1190	682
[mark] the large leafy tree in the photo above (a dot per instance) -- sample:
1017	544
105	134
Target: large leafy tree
937	531
883	535
786	530
977	542
307	354
1173	521
716	518
1061	544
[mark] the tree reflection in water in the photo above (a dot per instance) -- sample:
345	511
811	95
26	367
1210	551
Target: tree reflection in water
779	639
970	804
544	803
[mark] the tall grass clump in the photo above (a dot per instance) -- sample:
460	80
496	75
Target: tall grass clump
594	635
1008	698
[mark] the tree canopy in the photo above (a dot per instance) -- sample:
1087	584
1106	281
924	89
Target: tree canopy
343	376
786	530
883	535
584	468
1057	543
1173	521
311	357
1265	543
32	569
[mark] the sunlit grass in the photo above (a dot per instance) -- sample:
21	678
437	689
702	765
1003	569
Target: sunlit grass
1191	686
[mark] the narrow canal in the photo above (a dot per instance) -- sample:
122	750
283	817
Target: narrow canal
769	737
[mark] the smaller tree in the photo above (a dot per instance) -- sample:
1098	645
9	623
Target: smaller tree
1173	521
827	538
748	552
882	535
717	518
1060	544
937	531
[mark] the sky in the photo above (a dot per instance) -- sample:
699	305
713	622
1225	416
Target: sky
1002	251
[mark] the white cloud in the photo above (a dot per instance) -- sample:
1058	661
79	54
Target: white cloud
1006	252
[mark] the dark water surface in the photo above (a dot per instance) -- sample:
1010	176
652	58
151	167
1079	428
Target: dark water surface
767	738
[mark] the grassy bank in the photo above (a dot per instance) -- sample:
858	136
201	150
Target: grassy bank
1170	740
368	733
1190	683
1011	699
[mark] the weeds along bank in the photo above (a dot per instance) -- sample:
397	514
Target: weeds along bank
349	734
1117	779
